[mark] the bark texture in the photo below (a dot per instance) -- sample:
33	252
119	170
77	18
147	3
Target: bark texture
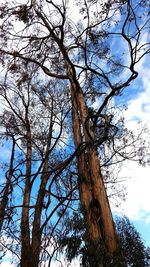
93	195
26	255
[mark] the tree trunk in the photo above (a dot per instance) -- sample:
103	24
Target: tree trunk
26	255
36	231
92	191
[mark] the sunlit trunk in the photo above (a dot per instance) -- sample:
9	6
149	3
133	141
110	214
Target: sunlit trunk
36	231
92	191
26	255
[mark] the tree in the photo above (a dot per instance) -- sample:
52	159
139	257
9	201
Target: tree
33	123
131	250
79	54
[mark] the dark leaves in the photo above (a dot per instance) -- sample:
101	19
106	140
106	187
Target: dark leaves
23	13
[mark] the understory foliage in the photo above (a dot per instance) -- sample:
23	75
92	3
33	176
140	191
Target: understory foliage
131	250
63	130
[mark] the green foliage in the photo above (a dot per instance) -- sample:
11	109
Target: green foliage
77	243
132	247
131	250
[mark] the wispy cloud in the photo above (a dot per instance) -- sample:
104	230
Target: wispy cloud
137	182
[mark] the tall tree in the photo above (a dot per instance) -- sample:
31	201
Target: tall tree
78	52
34	124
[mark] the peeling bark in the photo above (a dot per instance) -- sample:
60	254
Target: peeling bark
92	191
26	255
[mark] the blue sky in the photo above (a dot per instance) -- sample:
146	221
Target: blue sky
137	182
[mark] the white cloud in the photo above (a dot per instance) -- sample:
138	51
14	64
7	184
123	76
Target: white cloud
7	264
137	183
147	220
139	108
137	205
7	260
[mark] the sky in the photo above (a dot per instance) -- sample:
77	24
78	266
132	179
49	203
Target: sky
137	178
137	182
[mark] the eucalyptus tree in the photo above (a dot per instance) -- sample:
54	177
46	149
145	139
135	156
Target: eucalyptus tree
33	123
75	43
130	238
131	248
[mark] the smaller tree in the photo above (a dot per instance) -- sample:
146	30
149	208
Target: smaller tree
131	250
